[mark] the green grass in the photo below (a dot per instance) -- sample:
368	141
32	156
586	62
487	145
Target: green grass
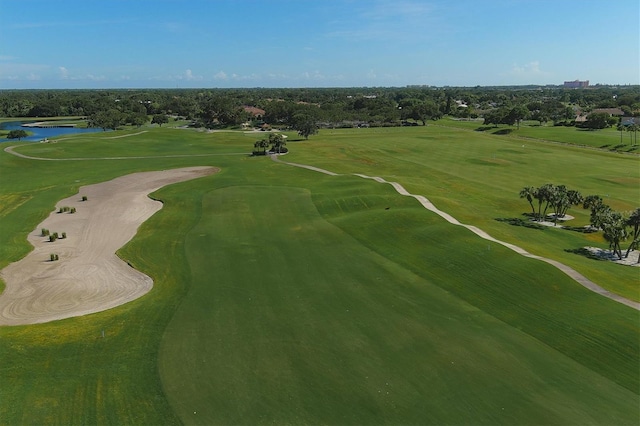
283	295
606	139
477	177
293	320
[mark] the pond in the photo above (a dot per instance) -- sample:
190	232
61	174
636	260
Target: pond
40	133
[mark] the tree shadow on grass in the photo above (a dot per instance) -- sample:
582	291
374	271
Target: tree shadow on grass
516	221
503	132
584	252
484	128
581	229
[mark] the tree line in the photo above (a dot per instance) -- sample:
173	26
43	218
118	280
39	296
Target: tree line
325	107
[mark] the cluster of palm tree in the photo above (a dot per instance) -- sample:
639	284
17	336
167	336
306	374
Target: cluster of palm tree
632	128
616	227
548	195
276	143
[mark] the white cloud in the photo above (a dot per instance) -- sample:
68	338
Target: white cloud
16	71
96	77
64	73
248	77
221	75
189	76
530	69
314	75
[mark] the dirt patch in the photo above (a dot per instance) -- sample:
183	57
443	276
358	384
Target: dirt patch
88	277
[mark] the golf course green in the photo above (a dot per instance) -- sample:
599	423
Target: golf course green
283	295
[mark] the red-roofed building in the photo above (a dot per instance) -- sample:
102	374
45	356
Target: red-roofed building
255	112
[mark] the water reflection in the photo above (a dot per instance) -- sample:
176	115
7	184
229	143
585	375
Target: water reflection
40	133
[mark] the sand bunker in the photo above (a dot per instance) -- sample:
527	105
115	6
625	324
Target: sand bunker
88	277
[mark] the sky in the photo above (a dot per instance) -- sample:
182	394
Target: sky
63	44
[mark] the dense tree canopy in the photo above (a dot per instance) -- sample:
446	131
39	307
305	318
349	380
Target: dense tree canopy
17	134
329	107
160	119
597	120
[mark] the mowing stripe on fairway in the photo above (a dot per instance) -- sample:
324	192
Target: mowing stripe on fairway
289	319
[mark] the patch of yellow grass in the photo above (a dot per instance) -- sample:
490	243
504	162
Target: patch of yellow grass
10	202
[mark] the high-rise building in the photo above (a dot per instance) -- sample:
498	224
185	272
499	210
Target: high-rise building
575	84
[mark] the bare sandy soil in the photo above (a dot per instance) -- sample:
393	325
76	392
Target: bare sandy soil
88	277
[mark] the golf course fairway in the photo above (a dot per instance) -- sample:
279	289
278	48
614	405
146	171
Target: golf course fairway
282	295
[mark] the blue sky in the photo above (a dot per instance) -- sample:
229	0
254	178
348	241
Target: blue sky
320	43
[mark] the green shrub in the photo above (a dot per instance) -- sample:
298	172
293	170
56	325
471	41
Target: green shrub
44	232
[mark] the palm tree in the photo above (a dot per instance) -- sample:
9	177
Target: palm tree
634	221
277	142
262	144
614	229
634	128
620	128
575	198
560	202
543	195
528	192
599	210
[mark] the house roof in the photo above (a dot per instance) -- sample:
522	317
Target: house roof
610	111
254	111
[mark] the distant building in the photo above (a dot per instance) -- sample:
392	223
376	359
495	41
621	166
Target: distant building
611	111
576	84
255	112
